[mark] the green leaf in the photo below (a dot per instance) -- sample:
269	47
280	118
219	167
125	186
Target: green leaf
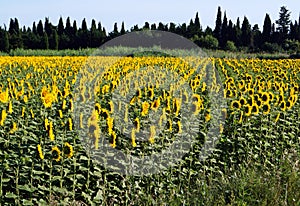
11	195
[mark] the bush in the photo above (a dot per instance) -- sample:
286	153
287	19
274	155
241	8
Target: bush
271	47
208	42
230	46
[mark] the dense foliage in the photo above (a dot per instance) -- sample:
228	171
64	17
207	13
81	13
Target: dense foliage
226	35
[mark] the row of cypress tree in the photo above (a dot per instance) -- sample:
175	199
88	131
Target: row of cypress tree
281	34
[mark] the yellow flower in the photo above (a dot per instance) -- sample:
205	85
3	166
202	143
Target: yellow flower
39	148
152	134
235	105
207	117
133	137
23	111
70	124
32	114
60	114
179	127
68	150
241	117
3	117
4	96
137	124
114	136
255	109
221	128
56	153
155	105
25	98
248	109
176	106
10	110
14	128
110	122
277	117
64	106
145	108
50	132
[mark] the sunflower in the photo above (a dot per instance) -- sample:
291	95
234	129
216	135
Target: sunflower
56	153
137	124
70	124
266	108
265	97
3	117
179	126
289	104
133	137
248	109
243	101
235	104
155	105
251	91
40	151
176	106
145	108
68	150
152	134
14	128
255	109
282	105
50	131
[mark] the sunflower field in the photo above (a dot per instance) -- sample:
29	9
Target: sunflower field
56	112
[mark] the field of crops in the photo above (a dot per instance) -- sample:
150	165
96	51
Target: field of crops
57	112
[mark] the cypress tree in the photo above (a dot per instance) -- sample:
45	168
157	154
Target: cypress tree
46	41
55	40
40	29
122	28
6	42
246	32
153	26
267	28
218	27
60	27
224	31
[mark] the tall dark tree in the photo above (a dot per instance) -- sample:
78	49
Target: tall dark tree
6	42
256	38
246	32
267	29
34	30
284	20
74	27
68	28
122	28
283	24
172	27
45	41
153	26
15	34
218	27
84	25
60	26
238	33
224	31
146	26
197	25
40	28
48	26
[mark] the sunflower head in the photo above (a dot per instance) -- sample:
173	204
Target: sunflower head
56	153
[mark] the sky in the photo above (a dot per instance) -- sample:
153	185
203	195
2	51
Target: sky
134	12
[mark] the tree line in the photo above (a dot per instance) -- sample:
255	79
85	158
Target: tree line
280	35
